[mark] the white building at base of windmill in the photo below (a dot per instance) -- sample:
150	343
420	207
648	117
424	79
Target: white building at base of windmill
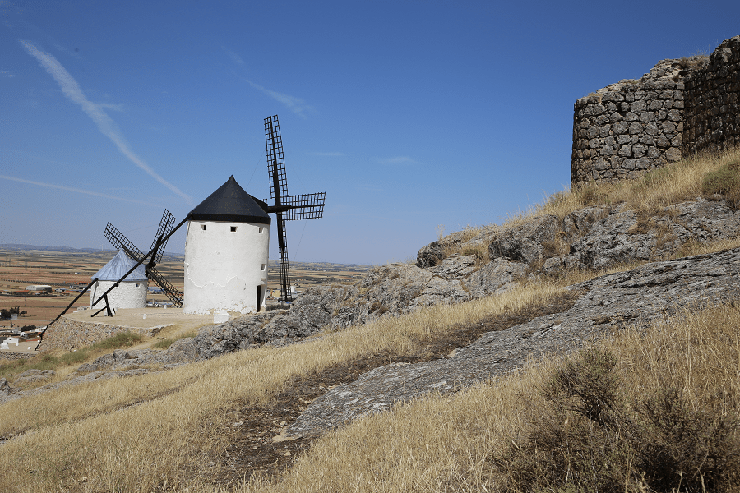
226	252
130	293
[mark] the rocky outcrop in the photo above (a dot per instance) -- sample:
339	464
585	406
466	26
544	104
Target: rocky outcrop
596	238
430	255
495	277
638	296
591	238
527	242
4	387
33	376
626	236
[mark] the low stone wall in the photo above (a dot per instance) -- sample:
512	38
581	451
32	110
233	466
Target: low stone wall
712	114
10	355
70	334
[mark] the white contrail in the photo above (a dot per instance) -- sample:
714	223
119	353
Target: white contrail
72	189
296	105
397	160
105	124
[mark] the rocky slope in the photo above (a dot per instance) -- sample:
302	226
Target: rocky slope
590	238
606	303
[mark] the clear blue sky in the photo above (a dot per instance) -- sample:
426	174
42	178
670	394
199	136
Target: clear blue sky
409	114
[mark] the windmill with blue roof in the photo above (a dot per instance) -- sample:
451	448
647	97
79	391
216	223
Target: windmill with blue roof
131	290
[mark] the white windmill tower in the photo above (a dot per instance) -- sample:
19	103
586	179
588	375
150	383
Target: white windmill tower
228	239
226	252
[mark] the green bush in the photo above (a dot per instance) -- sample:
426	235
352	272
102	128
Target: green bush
72	358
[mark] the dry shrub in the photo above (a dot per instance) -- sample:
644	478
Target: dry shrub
723	182
146	432
648	411
654	409
576	440
592	439
477	250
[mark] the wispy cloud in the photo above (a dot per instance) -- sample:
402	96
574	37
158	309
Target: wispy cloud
326	154
105	124
111	106
296	105
72	189
234	56
398	160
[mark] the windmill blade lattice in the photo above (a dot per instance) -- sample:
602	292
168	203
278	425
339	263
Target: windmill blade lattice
275	159
120	242
165	226
286	207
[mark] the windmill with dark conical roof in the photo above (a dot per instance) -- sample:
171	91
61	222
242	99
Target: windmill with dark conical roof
228	239
226	252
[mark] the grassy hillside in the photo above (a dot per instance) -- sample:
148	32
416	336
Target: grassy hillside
590	423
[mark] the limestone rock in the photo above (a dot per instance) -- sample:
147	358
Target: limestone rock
31	376
524	243
455	267
607	303
430	255
495	277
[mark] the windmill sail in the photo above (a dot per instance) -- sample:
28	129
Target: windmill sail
286	207
166	229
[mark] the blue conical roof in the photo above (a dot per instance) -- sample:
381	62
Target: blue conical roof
117	267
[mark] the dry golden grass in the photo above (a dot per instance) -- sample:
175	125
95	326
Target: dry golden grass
653	191
150	432
460	442
140	433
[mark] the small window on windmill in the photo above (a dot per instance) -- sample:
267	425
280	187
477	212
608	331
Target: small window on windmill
263	267
203	227
260	231
233	229
137	284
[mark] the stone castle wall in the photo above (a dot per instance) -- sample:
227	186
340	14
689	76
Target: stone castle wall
680	107
712	114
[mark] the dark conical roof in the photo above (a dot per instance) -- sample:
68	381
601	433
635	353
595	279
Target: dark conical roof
230	203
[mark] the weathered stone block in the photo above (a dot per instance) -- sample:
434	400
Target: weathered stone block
625	151
673	154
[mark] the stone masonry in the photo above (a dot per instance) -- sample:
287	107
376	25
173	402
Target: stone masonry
682	106
712	113
68	334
